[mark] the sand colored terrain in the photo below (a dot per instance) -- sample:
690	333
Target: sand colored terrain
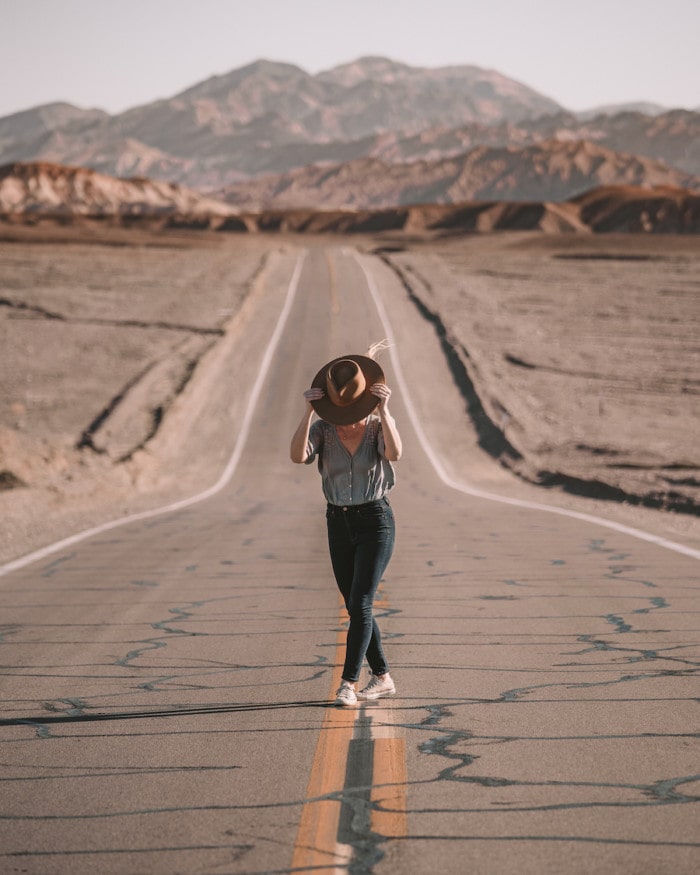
42	187
118	377
576	357
579	360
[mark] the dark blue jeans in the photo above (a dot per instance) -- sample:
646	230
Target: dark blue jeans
361	541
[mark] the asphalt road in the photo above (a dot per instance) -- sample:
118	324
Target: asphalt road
166	683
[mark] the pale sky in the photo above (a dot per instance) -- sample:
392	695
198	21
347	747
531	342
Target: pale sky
116	54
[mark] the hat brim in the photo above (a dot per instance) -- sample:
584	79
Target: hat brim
362	406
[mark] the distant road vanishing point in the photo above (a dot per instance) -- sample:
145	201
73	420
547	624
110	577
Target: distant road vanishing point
167	679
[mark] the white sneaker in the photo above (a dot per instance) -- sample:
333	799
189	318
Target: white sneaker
377	687
346	694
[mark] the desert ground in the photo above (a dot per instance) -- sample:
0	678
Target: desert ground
582	350
576	357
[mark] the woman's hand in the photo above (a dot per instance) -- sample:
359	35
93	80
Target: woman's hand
392	440
300	438
383	392
313	394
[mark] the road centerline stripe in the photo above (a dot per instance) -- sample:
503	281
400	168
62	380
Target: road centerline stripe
358	753
316	846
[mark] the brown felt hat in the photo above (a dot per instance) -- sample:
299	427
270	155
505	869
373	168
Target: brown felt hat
346	381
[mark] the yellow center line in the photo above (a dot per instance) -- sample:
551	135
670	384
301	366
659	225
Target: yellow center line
388	817
389	777
316	844
317	848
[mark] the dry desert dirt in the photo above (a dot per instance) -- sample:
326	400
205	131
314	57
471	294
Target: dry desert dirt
577	357
583	351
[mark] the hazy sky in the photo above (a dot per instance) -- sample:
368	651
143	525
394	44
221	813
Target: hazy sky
115	54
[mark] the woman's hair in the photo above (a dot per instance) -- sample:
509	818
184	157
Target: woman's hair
377	347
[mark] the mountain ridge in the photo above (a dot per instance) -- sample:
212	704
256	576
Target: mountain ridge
37	193
550	171
212	132
270	118
45	189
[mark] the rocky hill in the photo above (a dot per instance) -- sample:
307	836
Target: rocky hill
671	137
39	193
32	124
550	171
614	208
43	189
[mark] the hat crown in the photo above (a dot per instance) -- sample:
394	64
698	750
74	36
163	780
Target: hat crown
345	382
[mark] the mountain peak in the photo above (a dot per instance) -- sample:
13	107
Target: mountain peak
261	71
368	67
38	120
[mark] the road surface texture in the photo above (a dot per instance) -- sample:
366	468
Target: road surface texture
166	682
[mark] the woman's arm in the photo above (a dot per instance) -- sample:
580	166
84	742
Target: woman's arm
392	438
300	439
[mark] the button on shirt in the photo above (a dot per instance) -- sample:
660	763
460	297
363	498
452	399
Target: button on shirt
367	475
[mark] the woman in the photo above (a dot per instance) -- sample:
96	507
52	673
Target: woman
355	450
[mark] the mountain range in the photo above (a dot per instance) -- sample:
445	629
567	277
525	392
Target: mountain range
46	194
401	133
551	171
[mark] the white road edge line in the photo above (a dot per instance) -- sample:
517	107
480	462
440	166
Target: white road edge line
480	493
228	470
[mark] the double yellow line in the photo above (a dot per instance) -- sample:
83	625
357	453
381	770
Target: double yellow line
317	847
